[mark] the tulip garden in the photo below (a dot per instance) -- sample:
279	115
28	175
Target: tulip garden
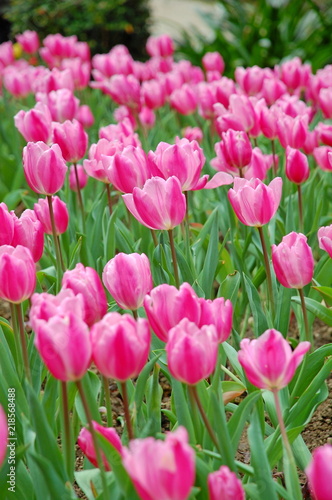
165	252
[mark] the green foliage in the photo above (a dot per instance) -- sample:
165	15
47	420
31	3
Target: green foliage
102	23
262	32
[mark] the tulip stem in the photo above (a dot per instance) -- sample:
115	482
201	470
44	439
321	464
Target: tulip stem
126	410
267	267
109	198
108	402
20	321
297	491
308	331
79	196
194	394
94	438
67	432
240	172
175	264
299	191
275	166
19	360
135	313
59	263
154	237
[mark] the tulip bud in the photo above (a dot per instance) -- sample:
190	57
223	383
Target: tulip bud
237	149
60	211
325	239
85	442
72	139
213	61
297	167
29	232
36	124
29	41
219	313
318	472
17	274
224	485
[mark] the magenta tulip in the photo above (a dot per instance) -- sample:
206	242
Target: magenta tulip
322	157
254	202
318	473
72	139
120	345
293	261
17	274
213	61
36	124
236	148
297	167
29	232
62	103
325	239
85	442
217	312
160	46
29	41
61	215
161	470
128	279
94	166
269	362
224	485
184	100
160	204
6	225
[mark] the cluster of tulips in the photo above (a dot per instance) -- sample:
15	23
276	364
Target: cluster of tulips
102	310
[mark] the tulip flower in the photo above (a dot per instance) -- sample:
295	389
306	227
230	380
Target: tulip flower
29	232
44	167
318	472
85	281
128	279
292	131
325	239
161	470
217	312
297	167
236	148
6	225
72	139
224	485
94	166
62	104
61	215
84	115
3	435
29	41
193	134
213	61
36	124
85	442
17	273
166	306
191	351
160	46
184	100
322	155
250	79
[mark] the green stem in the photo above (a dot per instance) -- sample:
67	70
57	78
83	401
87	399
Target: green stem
175	264
275	166
308	331
59	261
19	359
109	199
267	268
79	196
193	390
20	321
67	431
108	402
126	410
299	191
154	237
135	313
94	438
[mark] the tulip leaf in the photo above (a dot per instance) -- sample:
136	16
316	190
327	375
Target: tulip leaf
222	432
240	416
207	274
91	386
326	293
283	310
90	481
230	286
322	312
260	323
182	409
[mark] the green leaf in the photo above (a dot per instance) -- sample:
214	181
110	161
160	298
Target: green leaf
326	293
322	312
91	386
260	323
182	409
207	275
240	416
230	286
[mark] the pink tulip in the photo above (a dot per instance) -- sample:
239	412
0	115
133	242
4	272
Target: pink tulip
224	485
160	204
35	125
44	167
160	46
153	94
3	435
161	470
268	121
85	281
80	71
61	215
6	225
17	274
6	54
117	61
94	166
127	169
254	202
213	61
85	442
311	142
82	178
128	279
297	166
147	117
29	41
325	102
29	232
243	109
292	131
193	134
72	139
325	239
321	155
61	82
16	82
294	74
191	351
120	345
122	132
293	261
166	306
64	345
259	165
184	100
272	89
250	79
57	47
236	148
125	90
269	362
63	105
219	313
324	132
318	472
84	115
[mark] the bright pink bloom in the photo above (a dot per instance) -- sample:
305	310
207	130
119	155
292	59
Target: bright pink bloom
292	131
161	470
85	442
125	90
6	225
325	102
224	485
120	345
253	202
269	362
44	167
293	261
191	351
153	93
72	139
184	100
85	281
64	344
147	117
6	54
3	435
294	74
236	148
16	82
325	239
80	71
319	471
117	61
84	115
122	132
311	142
29	41
250	79
243	109
324	132
268	119
321	155
128	279
61	215
166	306
57	47
127	169
259	165
297	166
160	204
193	134
54	80
29	232
213	61
36	124
217	312
62	104
272	89
17	274
94	166
82	177
160	46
